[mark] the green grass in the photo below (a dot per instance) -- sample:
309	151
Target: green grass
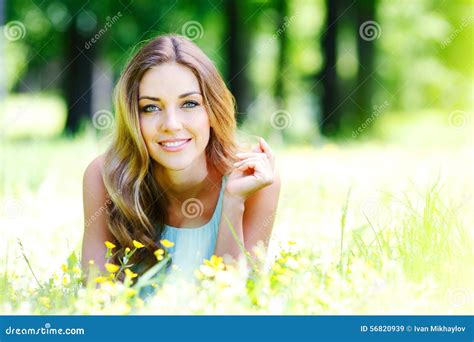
366	228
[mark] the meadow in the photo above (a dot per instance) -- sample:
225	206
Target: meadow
364	226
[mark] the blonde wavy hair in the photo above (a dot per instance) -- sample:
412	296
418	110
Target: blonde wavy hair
138	204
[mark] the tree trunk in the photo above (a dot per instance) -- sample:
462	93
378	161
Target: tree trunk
78	78
237	57
282	9
330	120
365	56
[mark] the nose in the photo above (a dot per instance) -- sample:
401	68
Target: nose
170	121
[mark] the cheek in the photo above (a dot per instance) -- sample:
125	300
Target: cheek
203	127
146	130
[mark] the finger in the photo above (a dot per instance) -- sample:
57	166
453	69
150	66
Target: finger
259	164
267	150
265	147
257	156
261	170
250	164
245	155
257	149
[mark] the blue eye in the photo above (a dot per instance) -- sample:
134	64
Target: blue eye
149	108
190	104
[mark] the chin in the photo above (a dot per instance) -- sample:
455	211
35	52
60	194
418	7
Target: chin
173	163
176	166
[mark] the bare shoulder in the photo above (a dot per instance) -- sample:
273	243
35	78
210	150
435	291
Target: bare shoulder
92	181
94	169
95	219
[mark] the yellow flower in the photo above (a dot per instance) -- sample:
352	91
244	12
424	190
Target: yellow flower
111	268
127	250
64	268
215	262
130	274
76	270
138	244
159	252
167	243
100	279
130	292
109	245
45	301
66	280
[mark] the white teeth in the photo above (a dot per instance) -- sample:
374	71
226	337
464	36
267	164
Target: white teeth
173	144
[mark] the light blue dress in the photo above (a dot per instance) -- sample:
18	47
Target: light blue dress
193	245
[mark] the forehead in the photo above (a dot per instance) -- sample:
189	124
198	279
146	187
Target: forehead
168	80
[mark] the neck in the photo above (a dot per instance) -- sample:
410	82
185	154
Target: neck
180	185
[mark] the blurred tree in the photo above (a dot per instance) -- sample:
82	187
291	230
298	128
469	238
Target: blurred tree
282	34
346	103
78	71
238	56
3	76
364	93
331	118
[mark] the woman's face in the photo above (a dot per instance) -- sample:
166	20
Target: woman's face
173	120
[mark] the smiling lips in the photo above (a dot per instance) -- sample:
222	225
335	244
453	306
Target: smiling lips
173	145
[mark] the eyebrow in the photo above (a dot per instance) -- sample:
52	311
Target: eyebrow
158	99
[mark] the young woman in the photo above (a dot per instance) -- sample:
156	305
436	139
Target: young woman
173	170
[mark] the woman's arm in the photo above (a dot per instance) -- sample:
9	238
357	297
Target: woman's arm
95	219
251	219
259	215
250	203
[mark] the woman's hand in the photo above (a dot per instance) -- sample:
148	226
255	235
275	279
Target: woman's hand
253	172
